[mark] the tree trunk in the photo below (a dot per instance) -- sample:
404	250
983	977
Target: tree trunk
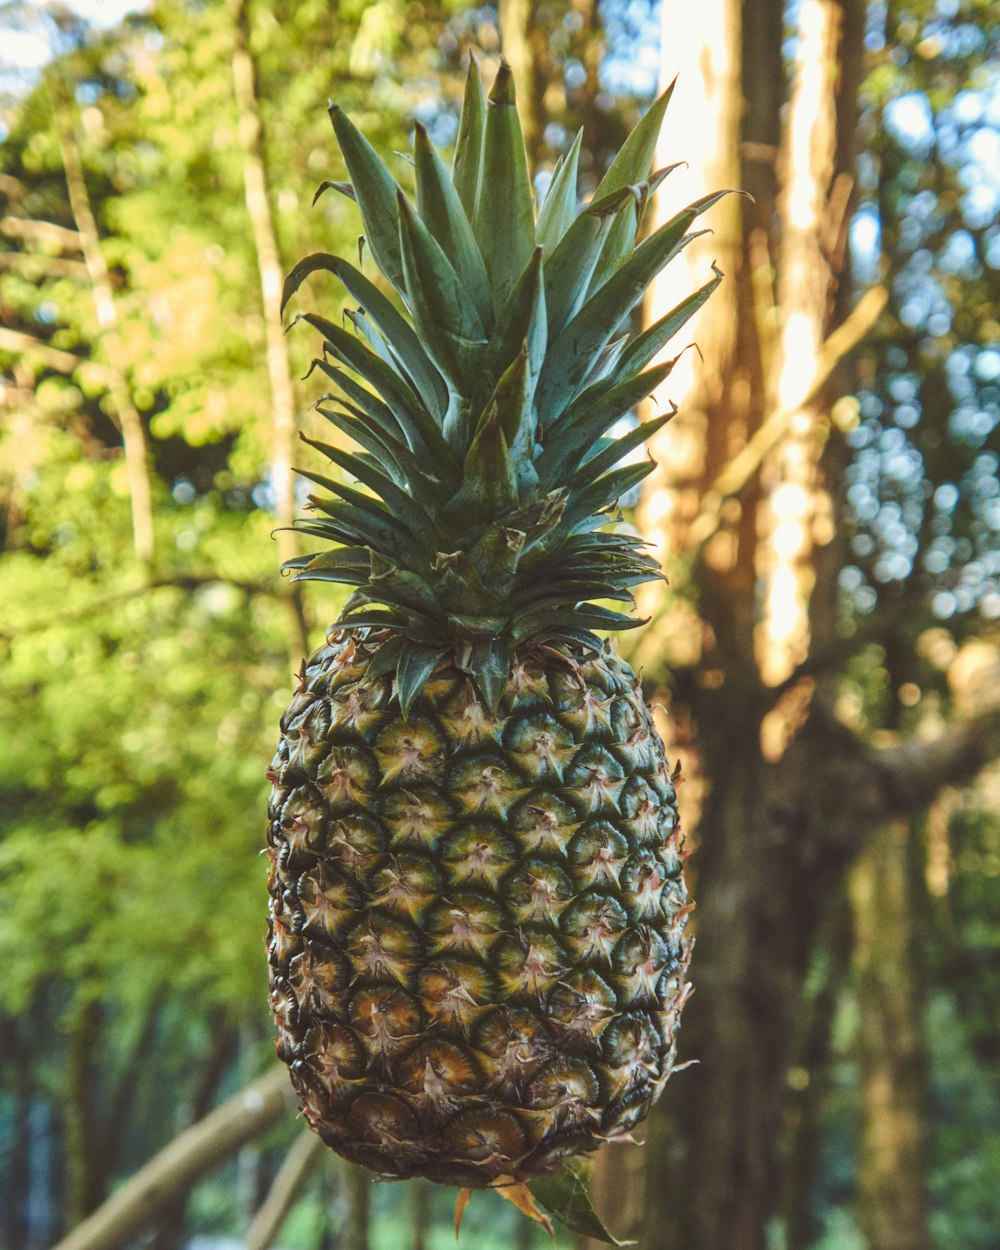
358	1186
420	1214
85	1173
893	1203
130	423
284	426
771	847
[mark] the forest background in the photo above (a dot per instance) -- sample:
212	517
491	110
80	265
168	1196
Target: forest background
827	660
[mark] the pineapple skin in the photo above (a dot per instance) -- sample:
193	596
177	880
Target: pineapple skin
476	938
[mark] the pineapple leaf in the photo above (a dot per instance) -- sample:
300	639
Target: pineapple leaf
585	505
511	407
488	662
375	190
607	457
352	523
569	267
364	400
505	216
619	244
416	663
385	658
441	311
570	356
468	157
489	486
563	1195
396	330
635	157
344	188
521	321
645	346
350	350
410	513
441	209
395	456
559	206
573	434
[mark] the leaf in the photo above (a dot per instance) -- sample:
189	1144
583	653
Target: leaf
521	1197
467	163
571	437
415	665
522	320
401	505
375	190
443	314
618	447
385	659
439	205
491	672
351	351
504	220
634	158
559	207
569	267
398	333
571	354
344	188
562	1193
645	346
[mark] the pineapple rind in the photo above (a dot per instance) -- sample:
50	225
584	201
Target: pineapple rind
477	938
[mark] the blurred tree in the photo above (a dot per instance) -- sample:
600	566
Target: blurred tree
754	505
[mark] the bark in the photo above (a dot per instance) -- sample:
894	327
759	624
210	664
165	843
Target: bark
279	372
810	1081
189	1157
893	1204
292	1175
616	1190
358	1186
133	434
85	1164
774	838
420	1214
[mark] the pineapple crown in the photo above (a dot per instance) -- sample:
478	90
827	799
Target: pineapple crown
483	408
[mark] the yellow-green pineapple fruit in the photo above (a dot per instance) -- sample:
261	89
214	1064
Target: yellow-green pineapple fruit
477	936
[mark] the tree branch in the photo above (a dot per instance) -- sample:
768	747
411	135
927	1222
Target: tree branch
189	1157
38	265
915	771
19	343
266	1224
42	232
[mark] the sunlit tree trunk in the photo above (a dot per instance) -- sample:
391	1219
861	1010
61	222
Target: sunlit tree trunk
766	859
129	421
892	1149
284	426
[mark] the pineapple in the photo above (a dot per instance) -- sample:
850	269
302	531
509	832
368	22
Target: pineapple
477	929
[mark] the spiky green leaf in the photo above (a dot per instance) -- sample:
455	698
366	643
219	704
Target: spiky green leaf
375	190
440	207
505	215
467	162
559	206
